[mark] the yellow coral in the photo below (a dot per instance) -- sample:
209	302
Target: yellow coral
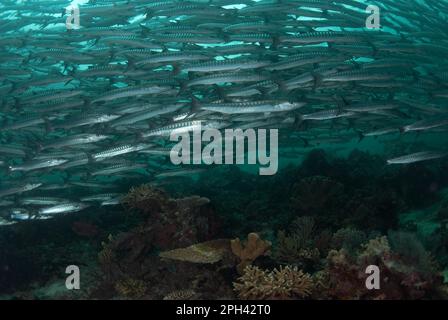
248	252
205	252
284	283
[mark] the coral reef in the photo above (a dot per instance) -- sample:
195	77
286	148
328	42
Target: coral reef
400	277
180	295
283	283
324	221
146	199
291	249
349	239
250	250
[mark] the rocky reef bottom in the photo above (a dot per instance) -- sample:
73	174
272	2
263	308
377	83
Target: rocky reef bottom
313	231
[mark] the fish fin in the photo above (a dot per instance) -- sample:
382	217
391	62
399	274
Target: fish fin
279	83
68	82
341	102
195	105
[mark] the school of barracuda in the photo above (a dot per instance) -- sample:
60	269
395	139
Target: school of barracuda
99	101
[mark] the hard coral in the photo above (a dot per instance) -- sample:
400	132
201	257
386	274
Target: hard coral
283	283
172	222
130	288
180	295
205	252
249	251
400	278
293	249
303	246
146	199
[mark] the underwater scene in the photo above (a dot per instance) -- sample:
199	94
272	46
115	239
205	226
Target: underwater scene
224	149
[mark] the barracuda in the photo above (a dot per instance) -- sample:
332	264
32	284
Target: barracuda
253	107
38	164
20	189
63	208
136	91
184	126
120	150
417	157
226	65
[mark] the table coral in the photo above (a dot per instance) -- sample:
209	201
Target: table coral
205	252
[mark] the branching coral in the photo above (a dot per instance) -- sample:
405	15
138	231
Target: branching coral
145	199
283	283
294	249
249	251
130	288
300	246
180	295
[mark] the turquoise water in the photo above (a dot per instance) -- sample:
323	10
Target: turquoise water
347	107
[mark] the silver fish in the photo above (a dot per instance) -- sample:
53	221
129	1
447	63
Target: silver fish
417	157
